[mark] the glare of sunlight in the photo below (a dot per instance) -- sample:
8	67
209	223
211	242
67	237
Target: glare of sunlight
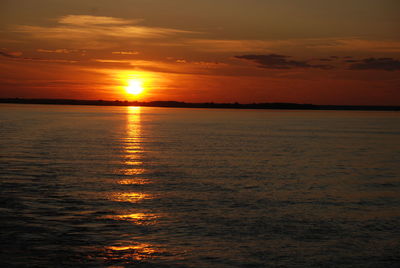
132	197
134	84
136	218
134	87
138	251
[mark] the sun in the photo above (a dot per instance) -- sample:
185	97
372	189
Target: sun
134	87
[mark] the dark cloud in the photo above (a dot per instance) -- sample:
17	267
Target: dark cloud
341	57
4	54
325	59
11	56
274	61
386	64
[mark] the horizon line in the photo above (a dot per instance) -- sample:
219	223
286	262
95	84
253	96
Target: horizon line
210	105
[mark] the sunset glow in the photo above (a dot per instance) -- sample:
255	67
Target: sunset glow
203	133
235	54
134	87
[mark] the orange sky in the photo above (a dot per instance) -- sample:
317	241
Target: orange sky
304	51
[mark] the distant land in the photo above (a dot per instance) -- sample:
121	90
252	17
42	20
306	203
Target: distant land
177	104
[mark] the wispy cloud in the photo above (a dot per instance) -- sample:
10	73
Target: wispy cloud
217	45
275	61
17	56
170	65
202	64
94	20
9	55
315	44
133	63
60	50
353	44
386	64
125	52
86	27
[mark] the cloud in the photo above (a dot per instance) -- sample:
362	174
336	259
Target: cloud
202	64
314	44
386	64
86	27
8	55
94	20
135	63
218	45
275	61
61	50
125	52
351	44
112	61
351	61
16	56
169	65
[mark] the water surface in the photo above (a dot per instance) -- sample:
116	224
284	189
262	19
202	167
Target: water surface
85	186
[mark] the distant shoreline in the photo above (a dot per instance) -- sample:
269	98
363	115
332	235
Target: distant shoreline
176	104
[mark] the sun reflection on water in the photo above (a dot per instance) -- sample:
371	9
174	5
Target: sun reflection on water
134	171
133	126
138	251
133	168
137	181
133	162
130	197
133	143
136	218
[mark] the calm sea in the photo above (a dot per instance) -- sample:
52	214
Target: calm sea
85	186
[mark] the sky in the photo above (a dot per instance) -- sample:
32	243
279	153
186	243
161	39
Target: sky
304	51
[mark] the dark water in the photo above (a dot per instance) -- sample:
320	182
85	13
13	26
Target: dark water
153	187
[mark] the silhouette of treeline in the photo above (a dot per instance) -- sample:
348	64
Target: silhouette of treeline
177	104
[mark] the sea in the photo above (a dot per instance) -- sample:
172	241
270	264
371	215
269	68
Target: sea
89	186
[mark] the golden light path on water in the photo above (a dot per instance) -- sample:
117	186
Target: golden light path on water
133	148
133	169
138	218
132	197
139	251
